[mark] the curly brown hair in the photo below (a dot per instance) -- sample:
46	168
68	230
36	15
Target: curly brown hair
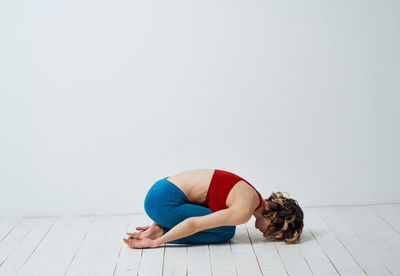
286	218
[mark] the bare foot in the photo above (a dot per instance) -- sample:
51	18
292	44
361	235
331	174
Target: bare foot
152	232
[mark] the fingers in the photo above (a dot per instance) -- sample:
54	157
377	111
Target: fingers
130	243
142	227
127	241
137	243
133	235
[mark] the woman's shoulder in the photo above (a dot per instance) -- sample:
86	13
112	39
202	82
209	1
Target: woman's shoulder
243	196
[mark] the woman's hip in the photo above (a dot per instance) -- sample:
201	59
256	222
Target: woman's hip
164	193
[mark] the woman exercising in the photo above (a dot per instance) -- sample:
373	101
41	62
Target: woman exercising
205	205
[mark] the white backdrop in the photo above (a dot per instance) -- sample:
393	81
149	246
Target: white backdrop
99	99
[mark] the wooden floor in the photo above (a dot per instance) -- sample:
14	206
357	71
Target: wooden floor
362	240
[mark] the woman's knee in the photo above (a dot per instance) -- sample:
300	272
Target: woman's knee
159	213
152	210
147	207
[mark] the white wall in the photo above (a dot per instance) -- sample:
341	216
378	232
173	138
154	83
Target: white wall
99	99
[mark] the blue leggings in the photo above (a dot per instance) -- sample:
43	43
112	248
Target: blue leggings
167	205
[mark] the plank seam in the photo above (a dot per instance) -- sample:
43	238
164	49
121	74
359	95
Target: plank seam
209	258
24	236
120	248
309	229
51	226
80	244
340	241
252	247
362	240
376	212
280	257
11	229
230	247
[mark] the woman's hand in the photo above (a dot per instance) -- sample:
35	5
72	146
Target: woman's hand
151	231
141	242
135	234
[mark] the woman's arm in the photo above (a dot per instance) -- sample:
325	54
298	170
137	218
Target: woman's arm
189	226
228	217
183	229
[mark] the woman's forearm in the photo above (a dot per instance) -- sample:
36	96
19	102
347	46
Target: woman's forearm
183	229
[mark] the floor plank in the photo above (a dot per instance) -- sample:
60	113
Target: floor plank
221	258
56	251
370	231
26	246
245	260
151	262
175	260
198	260
128	258
354	245
363	240
293	259
98	253
339	256
6	225
390	214
268	257
16	236
315	256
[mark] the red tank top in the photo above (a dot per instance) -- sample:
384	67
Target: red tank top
221	184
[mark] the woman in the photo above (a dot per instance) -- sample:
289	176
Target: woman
205	205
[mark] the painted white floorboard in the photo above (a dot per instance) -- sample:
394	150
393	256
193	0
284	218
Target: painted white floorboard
390	213
339	256
243	254
98	253
221	258
14	238
372	233
293	259
315	256
354	245
268	257
128	258
26	247
11	242
377	222
360	240
6	225
55	252
198	260
175	260
151	262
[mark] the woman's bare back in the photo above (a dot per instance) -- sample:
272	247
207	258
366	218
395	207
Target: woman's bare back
194	184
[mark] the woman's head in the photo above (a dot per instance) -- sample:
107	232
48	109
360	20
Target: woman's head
282	218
